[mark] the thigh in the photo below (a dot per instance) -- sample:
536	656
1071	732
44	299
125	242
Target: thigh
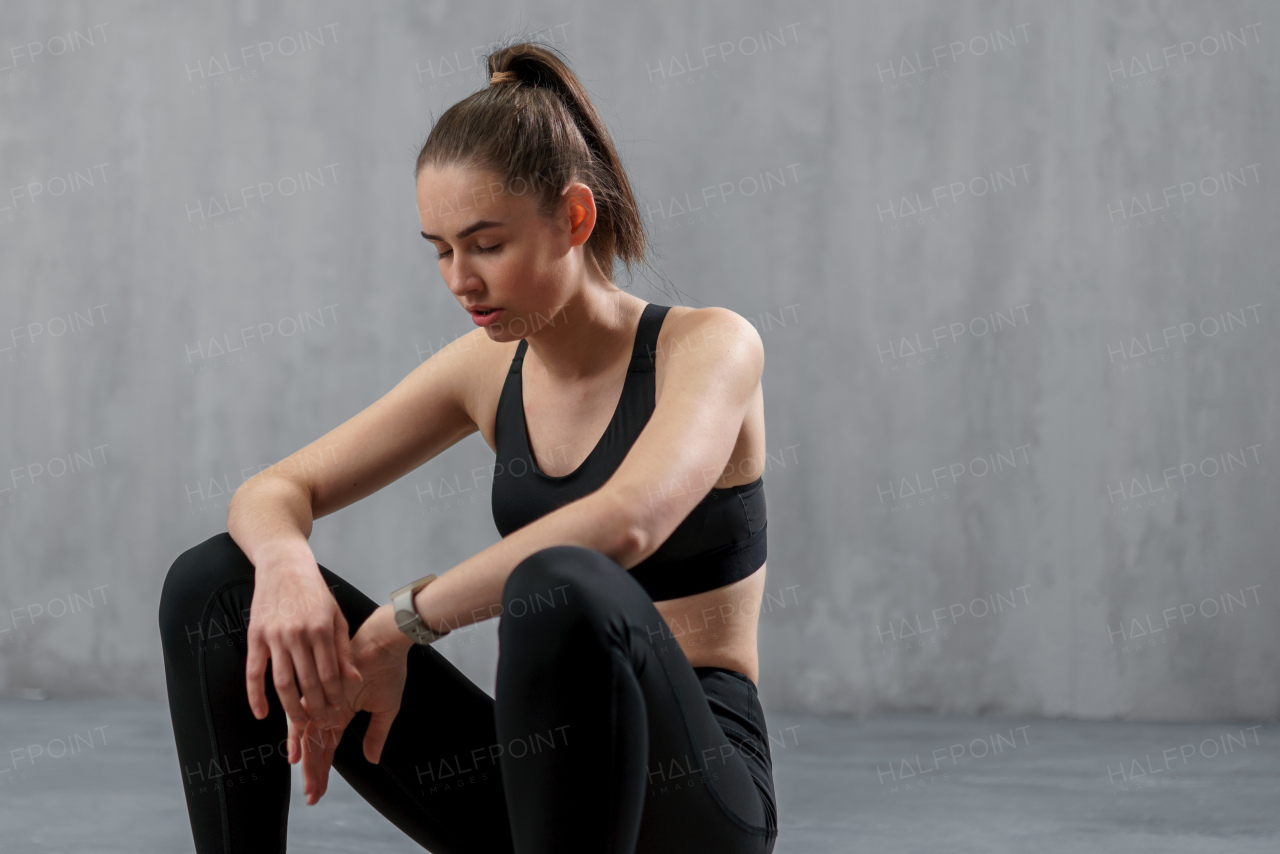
708	785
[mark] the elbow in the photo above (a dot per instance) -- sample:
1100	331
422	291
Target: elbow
629	539
268	486
243	492
634	547
239	499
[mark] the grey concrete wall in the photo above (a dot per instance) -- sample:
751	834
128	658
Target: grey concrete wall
1014	265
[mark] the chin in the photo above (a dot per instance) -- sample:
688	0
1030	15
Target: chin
504	331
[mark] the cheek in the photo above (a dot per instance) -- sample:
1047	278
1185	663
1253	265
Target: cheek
548	269
524	268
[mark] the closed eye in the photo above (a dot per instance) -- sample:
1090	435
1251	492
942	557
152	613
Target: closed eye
493	248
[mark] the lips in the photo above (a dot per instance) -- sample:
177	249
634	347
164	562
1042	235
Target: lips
492	317
482	309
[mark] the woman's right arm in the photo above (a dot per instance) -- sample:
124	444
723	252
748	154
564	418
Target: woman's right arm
294	619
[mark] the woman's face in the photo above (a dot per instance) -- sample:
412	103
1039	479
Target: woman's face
516	261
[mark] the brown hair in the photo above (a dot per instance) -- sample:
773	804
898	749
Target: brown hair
539	132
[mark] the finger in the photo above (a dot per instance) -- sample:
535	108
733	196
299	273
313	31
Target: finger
326	659
255	669
318	745
304	670
307	748
346	656
282	678
321	779
292	740
375	738
304	761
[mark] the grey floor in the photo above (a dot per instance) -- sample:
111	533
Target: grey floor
900	784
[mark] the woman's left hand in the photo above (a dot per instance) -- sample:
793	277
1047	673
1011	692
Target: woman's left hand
381	652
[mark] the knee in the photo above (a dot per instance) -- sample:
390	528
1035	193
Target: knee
569	582
193	577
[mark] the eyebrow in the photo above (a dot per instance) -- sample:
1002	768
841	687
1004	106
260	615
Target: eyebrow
471	229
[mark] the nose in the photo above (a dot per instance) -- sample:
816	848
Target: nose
460	280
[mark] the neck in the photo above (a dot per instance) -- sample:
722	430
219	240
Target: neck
592	332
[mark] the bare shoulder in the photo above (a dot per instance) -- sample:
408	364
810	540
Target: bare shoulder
485	372
711	333
716	348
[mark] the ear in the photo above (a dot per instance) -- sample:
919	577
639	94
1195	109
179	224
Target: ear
581	207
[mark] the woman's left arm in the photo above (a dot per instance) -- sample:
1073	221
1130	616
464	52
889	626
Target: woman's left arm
714	360
471	591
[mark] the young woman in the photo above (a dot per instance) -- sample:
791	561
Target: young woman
627	487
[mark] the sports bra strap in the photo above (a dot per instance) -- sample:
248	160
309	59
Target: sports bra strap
645	353
518	361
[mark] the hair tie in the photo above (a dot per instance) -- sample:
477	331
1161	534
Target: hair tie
502	77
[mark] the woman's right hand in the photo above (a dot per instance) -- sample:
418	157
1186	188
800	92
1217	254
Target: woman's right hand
296	623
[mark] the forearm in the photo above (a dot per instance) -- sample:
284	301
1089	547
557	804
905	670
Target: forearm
270	516
472	590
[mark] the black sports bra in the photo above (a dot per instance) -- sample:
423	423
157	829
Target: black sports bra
721	541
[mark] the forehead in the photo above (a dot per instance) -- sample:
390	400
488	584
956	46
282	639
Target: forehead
451	197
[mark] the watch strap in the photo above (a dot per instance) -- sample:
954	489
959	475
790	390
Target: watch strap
406	615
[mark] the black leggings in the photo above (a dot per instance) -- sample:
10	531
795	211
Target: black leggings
601	738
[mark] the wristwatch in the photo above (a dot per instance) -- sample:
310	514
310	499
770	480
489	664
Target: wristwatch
407	617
